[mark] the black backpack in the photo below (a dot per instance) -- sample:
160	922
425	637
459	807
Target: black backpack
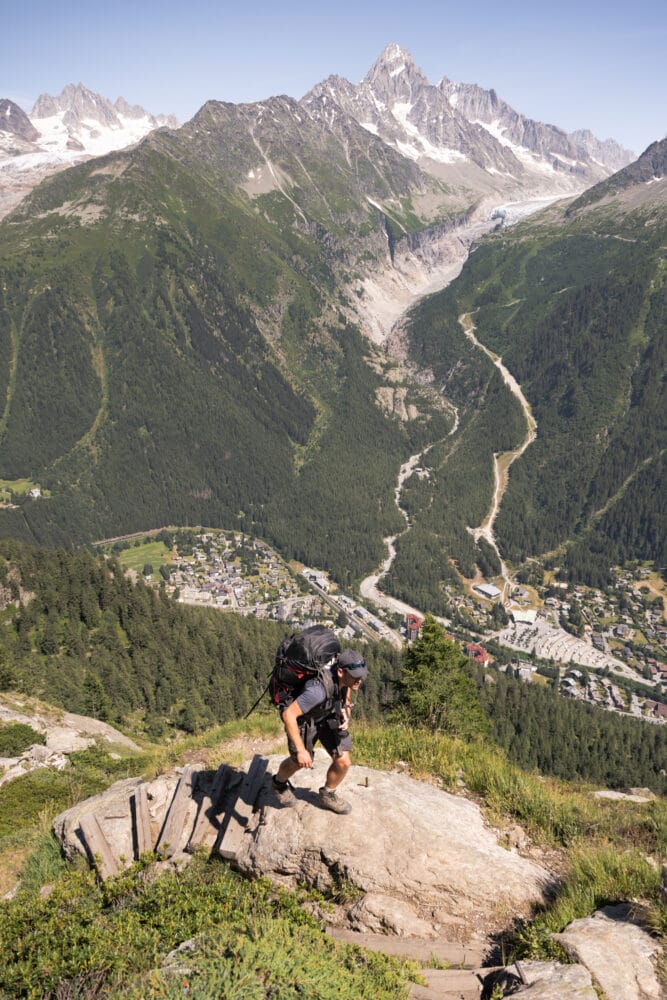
301	656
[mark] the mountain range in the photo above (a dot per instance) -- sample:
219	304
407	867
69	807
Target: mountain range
460	132
62	130
463	133
202	328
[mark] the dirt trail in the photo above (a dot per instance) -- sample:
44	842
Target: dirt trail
502	461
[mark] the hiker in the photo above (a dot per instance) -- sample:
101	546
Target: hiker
313	716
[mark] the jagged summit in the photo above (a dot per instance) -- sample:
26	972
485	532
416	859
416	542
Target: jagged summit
61	130
77	103
395	63
455	130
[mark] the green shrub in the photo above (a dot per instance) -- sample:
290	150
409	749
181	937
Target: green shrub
15	737
252	941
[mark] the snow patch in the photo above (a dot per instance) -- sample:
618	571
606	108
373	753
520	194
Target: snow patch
400	110
399	69
408	150
370	127
495	129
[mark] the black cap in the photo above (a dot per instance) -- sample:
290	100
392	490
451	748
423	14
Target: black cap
354	663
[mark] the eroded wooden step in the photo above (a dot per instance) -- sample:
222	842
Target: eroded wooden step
181	812
448	984
241	811
98	847
210	816
463	956
141	818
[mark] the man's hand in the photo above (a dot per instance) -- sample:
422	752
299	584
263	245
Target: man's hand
304	759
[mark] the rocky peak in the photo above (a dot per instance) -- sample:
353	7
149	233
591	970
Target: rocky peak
452	127
129	110
607	151
16	122
395	75
76	102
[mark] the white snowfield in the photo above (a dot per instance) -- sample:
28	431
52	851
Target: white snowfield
95	139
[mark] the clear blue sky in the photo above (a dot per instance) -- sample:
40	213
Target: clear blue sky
587	64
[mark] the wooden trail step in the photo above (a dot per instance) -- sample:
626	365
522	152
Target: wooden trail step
448	984
98	846
172	829
210	816
240	813
463	956
141	817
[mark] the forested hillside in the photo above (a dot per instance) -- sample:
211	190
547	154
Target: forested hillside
576	306
541	730
178	345
80	634
174	346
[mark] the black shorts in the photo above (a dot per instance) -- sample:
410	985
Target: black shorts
336	741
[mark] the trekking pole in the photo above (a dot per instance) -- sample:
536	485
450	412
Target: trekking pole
250	711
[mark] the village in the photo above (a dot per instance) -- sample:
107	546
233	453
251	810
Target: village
608	648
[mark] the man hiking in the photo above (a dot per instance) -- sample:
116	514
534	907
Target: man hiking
317	715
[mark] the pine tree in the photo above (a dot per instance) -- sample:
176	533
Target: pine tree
436	689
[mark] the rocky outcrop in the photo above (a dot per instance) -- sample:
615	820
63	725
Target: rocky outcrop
617	952
420	857
15	121
64	733
551	981
414	859
417	871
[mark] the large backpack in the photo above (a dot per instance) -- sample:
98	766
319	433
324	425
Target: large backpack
299	657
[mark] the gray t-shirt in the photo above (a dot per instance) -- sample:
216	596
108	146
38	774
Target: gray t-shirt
313	694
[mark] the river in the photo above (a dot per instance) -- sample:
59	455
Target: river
398	300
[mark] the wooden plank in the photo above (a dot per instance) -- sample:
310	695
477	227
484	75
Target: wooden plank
172	828
98	846
463	956
142	820
242	809
209	822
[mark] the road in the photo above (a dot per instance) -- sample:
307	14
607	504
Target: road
502	461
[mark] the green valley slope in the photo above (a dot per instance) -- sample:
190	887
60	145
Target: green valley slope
574	302
175	346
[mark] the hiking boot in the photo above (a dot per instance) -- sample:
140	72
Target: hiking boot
329	800
284	791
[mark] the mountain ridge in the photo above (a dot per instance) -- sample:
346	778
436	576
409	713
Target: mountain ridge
448	127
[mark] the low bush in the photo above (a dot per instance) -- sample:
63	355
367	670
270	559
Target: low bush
15	737
251	941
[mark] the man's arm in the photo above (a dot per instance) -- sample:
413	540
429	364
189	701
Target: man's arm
290	716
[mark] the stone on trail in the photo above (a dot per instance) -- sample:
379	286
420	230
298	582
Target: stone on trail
552	981
618	954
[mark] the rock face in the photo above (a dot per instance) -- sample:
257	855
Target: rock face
65	733
450	128
618	953
551	981
15	121
424	859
